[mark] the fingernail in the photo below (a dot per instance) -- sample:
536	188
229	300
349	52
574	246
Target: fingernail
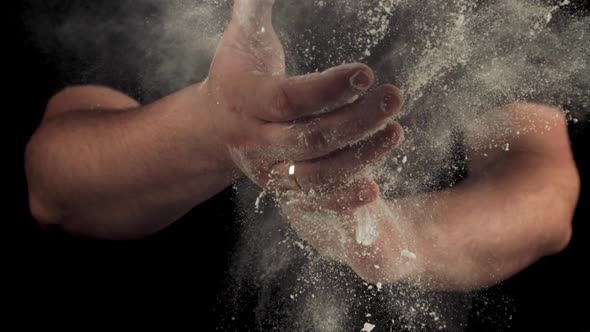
390	141
393	138
389	104
360	81
366	195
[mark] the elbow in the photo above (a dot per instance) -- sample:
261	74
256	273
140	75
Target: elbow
43	212
43	215
560	239
565	197
56	203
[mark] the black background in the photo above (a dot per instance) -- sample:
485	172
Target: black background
141	281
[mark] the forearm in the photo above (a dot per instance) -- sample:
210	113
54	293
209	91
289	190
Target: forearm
515	207
491	227
472	236
125	174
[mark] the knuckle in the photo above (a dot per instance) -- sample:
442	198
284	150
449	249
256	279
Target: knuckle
321	177
281	104
320	140
301	140
352	127
272	136
314	175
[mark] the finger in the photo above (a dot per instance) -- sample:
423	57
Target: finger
337	168
349	197
333	131
314	94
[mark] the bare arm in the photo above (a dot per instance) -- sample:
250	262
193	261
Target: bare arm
102	165
515	207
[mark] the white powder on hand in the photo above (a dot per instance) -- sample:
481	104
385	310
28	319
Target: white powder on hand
408	254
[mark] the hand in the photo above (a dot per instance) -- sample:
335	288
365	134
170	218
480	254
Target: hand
266	122
369	235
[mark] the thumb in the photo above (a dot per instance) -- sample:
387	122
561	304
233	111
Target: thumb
253	15
251	27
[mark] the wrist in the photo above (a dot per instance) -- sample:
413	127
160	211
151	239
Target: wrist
189	115
211	140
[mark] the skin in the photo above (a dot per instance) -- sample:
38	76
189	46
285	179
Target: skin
514	208
103	166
